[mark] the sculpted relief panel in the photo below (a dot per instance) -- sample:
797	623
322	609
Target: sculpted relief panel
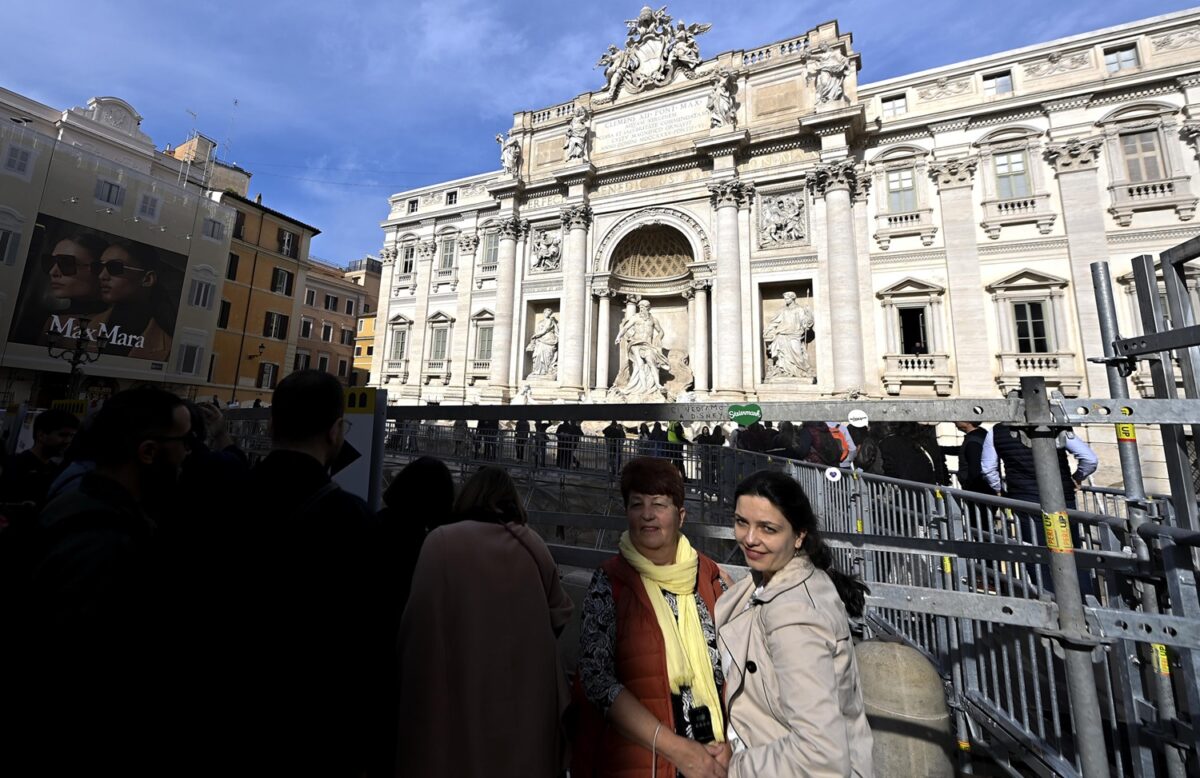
782	219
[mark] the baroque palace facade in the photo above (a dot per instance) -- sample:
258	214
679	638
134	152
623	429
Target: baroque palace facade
759	225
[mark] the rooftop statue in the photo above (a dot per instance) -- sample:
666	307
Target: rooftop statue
655	51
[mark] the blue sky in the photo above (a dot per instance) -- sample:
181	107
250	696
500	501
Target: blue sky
341	104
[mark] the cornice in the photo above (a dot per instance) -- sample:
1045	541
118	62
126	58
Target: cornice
1019	246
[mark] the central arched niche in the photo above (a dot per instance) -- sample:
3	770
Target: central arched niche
652	252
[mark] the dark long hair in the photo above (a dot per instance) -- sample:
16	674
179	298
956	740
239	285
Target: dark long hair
782	491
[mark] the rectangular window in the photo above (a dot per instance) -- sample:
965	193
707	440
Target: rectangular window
483	343
17	160
306	326
200	295
1143	162
451	198
281	281
288	243
342	366
275	325
408	255
447	254
399	343
349	307
997	84
491	248
347	337
370	351
303	360
1012	179
902	192
108	191
894	106
239	225
212	366
310	297
330	302
1031	328
223	315
1121	58
361	322
412	206
327	333
440	336
323	363
148	207
912	331
358	351
8	246
268	373
231	270
191	357
214	229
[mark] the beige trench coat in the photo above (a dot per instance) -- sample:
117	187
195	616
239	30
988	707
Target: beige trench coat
791	683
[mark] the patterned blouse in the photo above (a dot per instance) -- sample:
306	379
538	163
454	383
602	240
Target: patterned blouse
598	651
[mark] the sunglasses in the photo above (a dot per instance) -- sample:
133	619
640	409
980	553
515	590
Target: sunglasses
115	267
68	264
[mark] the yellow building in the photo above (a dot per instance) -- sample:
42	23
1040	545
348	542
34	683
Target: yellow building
364	348
329	310
366	273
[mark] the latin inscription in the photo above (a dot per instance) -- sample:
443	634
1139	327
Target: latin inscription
669	121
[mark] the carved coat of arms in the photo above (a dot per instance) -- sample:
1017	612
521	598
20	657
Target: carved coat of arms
655	51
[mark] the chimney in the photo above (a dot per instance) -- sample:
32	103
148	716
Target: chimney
258	198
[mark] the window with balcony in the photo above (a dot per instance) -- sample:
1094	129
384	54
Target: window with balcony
491	248
915	360
483	342
1030	320
439	343
446	254
902	194
399	343
1013	177
1145	160
408	257
998	84
1118	58
1031	317
899	173
896	105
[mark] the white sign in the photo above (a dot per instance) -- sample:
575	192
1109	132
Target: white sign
654	124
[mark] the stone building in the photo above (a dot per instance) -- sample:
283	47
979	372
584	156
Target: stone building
759	224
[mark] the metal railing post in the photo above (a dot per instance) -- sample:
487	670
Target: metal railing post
1073	636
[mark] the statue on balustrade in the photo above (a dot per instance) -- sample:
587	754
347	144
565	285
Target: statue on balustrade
829	67
721	107
510	153
578	129
544	346
641	337
787	337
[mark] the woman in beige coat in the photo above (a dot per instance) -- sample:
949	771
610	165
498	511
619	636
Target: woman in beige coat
794	704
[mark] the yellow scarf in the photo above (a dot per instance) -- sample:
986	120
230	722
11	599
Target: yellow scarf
688	662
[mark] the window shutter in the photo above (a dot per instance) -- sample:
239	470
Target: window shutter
283	327
262	367
100	189
288	286
120	196
267	325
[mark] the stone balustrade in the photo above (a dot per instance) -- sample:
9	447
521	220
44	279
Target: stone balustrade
1129	198
1058	368
889	226
919	372
1034	208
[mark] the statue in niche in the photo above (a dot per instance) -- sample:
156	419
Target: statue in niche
544	346
577	135
782	220
829	68
641	336
787	341
510	153
721	107
547	251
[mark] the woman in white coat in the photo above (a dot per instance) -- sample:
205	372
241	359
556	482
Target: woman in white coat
794	704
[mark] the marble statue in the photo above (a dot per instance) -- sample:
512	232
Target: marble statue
721	107
510	153
829	68
782	220
578	129
547	250
642	337
544	346
787	340
655	51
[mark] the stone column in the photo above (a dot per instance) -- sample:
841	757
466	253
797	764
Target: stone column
575	221
834	182
504	333
520	265
689	294
727	197
426	250
603	336
462	351
703	349
1075	163
972	358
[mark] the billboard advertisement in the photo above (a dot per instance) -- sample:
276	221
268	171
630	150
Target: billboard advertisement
121	294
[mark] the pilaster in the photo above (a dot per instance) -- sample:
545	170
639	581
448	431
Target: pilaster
575	220
834	182
727	197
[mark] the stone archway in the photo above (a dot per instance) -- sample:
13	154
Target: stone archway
653	252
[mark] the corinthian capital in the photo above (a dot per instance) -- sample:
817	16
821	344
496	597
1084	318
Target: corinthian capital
1074	154
733	192
468	243
954	172
576	217
388	254
426	249
837	175
511	229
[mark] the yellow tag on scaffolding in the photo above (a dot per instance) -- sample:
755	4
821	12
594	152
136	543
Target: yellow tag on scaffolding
946	565
1160	653
859	524
1126	433
1058	533
964	745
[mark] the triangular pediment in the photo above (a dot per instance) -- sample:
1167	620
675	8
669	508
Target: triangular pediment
483	314
910	286
1027	279
440	317
400	320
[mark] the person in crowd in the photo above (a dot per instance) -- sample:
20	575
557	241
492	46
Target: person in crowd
824	449
418	500
141	315
716	442
643	444
970	458
649	674
96	690
482	690
676	440
614	434
521	438
755	438
1005	446
541	440
73	291
26	478
489	434
461	434
791	442
658	440
903	454
310	627
841	432
795	703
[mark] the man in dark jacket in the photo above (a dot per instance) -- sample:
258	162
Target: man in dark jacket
970	458
96	691
27	476
614	433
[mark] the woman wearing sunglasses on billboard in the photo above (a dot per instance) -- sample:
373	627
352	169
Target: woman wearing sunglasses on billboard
141	319
73	290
